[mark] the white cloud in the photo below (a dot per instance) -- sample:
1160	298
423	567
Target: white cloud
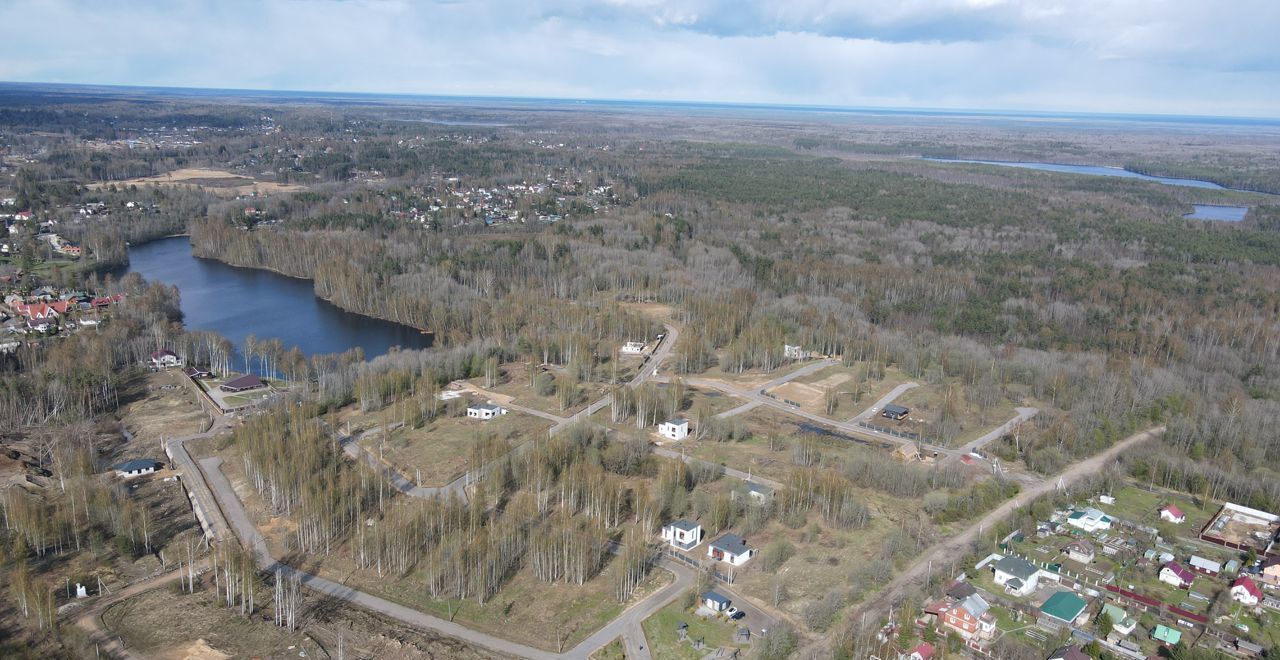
1182	56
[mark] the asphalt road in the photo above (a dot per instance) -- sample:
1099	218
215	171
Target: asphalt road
883	401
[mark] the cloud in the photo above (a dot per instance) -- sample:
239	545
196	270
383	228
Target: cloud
1180	56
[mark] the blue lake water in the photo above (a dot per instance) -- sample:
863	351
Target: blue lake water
238	302
1096	170
1218	212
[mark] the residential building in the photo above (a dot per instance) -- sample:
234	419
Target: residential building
1072	652
1271	571
1018	576
754	492
674	429
1167	635
682	534
1173	514
136	468
715	601
485	411
922	652
1175	574
1245	591
894	411
1081	551
1121	622
165	358
1090	520
1062	609
732	549
1206	566
971	618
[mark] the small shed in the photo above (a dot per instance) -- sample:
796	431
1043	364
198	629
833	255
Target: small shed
715	601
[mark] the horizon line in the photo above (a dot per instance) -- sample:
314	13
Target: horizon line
994	112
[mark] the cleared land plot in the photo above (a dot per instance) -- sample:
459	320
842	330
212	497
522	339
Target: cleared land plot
824	557
514	384
441	450
967	420
1142	506
1243	529
217	181
162	406
148	626
661	630
854	391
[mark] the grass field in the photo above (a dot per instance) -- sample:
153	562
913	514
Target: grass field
971	420
660	630
439	452
515	385
1141	506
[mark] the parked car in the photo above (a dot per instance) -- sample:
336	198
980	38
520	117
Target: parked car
732	612
740	614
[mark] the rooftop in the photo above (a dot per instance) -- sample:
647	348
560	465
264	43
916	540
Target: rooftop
1064	606
731	542
1017	567
684	524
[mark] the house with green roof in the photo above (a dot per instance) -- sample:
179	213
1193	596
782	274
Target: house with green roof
1121	621
1061	610
1166	634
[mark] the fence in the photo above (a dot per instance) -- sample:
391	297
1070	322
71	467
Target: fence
895	433
696	565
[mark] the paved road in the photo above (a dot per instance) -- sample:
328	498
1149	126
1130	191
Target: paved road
883	401
944	552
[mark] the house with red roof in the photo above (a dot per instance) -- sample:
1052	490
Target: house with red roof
1173	514
922	652
1177	575
1245	591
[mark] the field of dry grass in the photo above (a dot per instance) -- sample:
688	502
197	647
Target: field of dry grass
219	182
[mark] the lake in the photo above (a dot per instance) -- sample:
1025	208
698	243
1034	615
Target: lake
1095	170
1217	212
238	302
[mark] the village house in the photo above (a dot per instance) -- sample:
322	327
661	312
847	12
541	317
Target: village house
1121	622
715	601
1062	609
907	452
131	469
1018	576
1245	591
196	373
1205	566
1173	514
485	411
894	411
755	493
682	534
165	358
1072	652
1175	574
971	618
732	549
1271	571
924	651
1090	520
674	429
1080	550
1166	635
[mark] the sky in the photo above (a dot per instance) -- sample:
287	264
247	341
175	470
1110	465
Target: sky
1203	57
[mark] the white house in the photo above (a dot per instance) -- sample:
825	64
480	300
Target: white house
674	429
1080	550
682	534
1090	520
632	348
130	469
1175	574
1173	514
485	411
165	358
1245	591
730	548
1018	576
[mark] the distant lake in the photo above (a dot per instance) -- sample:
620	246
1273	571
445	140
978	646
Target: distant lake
1218	212
238	302
1095	170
